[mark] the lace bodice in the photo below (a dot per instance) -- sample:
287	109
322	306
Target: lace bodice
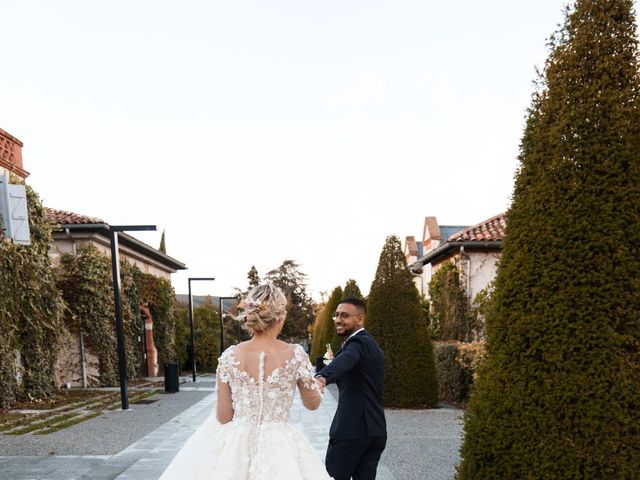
250	437
266	398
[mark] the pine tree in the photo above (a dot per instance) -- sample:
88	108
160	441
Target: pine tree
253	277
351	289
558	396
395	319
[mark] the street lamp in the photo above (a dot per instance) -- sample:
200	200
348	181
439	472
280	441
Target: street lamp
222	321
193	338
115	269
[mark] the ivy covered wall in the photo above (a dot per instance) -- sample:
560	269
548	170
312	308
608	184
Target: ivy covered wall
41	307
86	282
30	313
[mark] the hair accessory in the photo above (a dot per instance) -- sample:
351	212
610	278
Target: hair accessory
253	306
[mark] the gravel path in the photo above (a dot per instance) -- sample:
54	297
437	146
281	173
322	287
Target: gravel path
423	444
138	444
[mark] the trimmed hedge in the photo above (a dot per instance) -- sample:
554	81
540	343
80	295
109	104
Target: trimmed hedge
558	396
395	319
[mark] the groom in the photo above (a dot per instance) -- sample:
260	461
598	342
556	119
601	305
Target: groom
358	432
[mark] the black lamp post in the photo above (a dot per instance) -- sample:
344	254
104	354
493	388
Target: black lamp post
115	269
193	338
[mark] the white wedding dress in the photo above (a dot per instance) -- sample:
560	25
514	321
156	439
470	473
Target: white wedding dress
258	443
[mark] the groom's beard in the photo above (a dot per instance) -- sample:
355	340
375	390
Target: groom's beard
344	332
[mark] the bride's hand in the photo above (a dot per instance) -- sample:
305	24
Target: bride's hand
321	383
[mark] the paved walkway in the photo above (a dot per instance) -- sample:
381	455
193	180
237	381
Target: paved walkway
147	457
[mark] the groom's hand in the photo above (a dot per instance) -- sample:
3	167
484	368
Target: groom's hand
322	382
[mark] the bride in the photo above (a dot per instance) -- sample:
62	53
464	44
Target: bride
256	382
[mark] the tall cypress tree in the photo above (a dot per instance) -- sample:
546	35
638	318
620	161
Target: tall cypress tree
351	289
329	335
318	327
558	396
396	321
324	331
163	245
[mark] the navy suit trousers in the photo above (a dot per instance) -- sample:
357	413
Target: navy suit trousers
357	459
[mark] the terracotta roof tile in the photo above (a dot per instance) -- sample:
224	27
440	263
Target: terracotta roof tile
60	217
490	230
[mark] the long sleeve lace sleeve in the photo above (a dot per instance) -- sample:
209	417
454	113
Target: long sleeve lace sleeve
307	384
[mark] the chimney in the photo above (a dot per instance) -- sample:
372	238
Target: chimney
11	155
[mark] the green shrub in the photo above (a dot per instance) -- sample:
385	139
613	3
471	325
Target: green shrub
206	323
454	381
457	365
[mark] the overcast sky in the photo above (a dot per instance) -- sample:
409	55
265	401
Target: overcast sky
259	131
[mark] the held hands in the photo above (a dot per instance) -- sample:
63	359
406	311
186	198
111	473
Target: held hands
322	382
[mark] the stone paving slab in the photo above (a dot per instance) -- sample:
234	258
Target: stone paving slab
109	433
423	444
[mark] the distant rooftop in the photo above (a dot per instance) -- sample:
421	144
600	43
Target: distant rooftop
69	219
492	229
486	235
60	217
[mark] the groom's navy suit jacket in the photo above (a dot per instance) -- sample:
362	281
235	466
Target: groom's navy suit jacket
358	370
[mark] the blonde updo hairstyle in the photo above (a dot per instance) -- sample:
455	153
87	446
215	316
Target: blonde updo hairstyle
263	307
